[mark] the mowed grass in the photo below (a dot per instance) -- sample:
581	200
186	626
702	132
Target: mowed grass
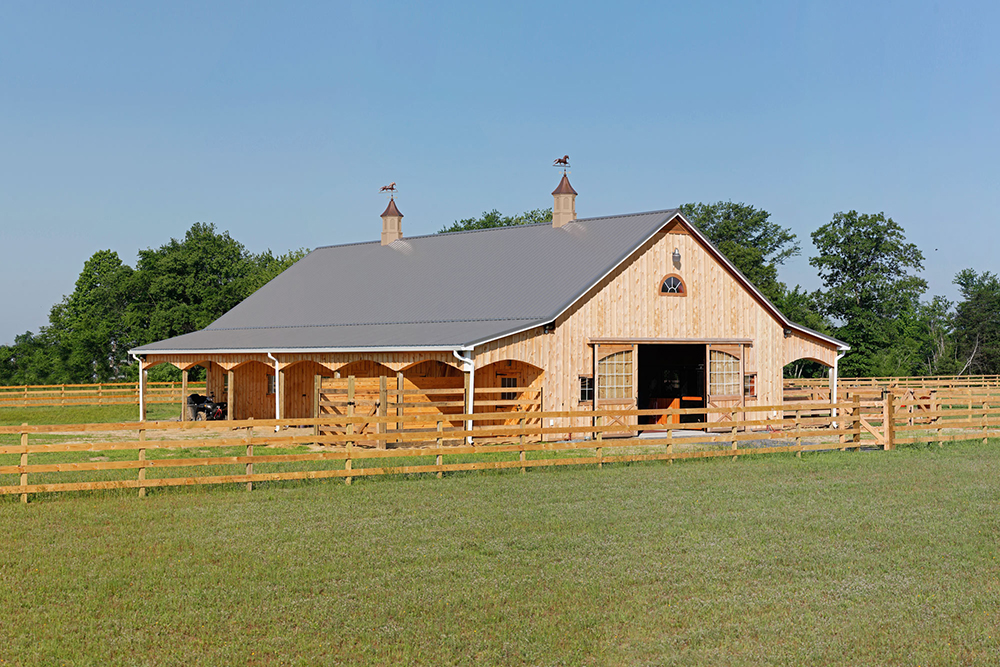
85	414
835	558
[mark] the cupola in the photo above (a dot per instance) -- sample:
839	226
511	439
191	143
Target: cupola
392	223
564	203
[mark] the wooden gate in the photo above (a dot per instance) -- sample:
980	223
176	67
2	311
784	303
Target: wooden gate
724	386
616	382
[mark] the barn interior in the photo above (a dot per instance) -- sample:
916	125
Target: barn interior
671	376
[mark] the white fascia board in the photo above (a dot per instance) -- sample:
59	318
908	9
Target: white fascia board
308	350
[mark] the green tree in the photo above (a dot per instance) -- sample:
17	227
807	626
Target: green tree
494	218
88	329
872	292
748	238
177	288
977	322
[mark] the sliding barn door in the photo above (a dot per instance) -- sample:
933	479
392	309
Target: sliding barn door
725	381
616	377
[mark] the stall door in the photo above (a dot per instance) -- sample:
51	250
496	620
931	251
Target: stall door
616	374
725	382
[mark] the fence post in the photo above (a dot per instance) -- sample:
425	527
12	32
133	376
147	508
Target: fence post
798	433
599	436
347	463
986	422
399	400
142	469
317	384
249	439
24	462
670	441
350	410
732	418
383	397
522	422
856	421
439	459
62	395
888	420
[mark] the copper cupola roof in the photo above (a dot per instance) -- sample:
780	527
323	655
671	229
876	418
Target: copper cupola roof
564	188
391	210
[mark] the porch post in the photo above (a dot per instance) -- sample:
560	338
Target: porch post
184	395
230	406
833	389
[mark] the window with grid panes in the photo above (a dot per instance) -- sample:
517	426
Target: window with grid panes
586	389
615	375
723	374
508	395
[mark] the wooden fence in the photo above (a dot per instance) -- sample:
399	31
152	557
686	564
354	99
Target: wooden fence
163	454
113	393
928	381
422	401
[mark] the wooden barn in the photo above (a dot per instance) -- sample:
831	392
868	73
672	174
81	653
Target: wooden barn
636	310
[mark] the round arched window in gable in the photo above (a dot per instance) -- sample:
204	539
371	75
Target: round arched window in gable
672	285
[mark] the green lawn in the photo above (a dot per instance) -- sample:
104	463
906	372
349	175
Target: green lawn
835	558
85	414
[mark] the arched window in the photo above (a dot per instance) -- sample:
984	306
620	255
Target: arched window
672	285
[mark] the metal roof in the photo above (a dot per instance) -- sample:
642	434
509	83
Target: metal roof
435	292
450	290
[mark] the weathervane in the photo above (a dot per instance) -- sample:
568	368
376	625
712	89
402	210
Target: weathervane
562	162
391	189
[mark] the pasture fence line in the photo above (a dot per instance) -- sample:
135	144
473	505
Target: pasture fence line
107	393
144	455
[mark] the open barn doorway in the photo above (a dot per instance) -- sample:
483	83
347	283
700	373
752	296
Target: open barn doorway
671	376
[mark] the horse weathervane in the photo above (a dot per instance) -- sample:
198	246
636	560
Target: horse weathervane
561	162
391	188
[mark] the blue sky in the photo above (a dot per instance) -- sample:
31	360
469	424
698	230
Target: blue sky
121	124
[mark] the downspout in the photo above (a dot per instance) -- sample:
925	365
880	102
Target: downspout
277	390
833	382
468	366
142	388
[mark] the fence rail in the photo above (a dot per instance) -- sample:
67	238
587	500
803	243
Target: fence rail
116	393
143	455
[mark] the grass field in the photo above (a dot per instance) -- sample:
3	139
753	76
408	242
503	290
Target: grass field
835	558
85	414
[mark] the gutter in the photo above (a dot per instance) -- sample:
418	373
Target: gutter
468	366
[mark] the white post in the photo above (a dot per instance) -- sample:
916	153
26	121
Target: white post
277	389
468	366
142	393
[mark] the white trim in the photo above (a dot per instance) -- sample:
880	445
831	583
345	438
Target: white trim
308	350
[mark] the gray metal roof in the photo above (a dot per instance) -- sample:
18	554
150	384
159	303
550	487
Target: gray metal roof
441	291
438	291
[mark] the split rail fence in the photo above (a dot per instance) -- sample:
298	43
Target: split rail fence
144	455
116	393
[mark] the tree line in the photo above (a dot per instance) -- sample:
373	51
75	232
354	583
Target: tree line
872	297
180	287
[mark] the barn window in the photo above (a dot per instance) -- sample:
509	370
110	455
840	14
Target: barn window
672	285
508	395
724	374
750	385
271	384
586	389
614	373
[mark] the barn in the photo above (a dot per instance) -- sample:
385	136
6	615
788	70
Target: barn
625	311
